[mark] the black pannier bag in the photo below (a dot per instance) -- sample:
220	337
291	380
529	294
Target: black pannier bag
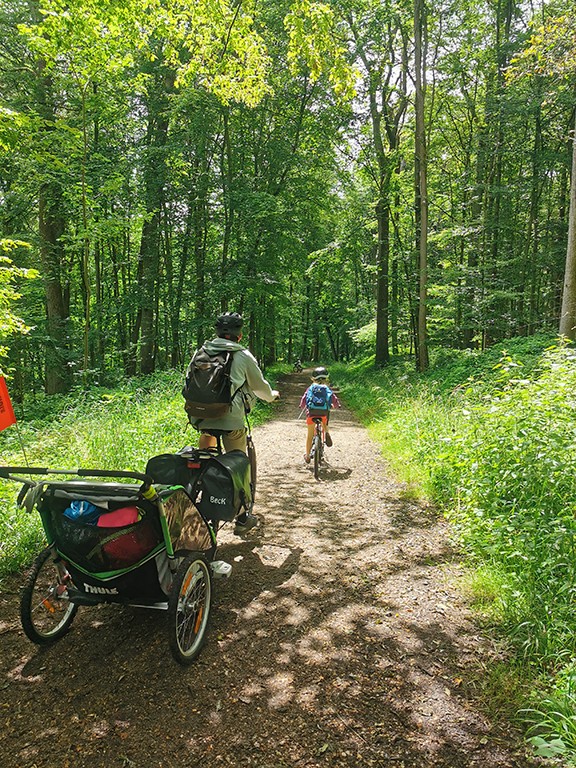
172	469
225	486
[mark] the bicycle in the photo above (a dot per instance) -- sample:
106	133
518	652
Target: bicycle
317	450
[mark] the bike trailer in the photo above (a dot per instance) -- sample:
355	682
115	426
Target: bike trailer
124	562
116	542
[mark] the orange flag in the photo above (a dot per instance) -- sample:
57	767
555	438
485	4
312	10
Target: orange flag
7	417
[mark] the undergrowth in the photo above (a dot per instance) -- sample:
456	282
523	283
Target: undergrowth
490	437
97	429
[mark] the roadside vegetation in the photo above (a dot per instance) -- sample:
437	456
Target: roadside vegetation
102	428
490	438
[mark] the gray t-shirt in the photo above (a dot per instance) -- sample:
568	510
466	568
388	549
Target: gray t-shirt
247	382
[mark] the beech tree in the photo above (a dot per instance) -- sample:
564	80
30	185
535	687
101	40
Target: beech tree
380	37
551	52
420	44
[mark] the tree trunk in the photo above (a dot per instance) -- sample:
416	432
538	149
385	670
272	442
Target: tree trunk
568	311
421	186
154	179
51	226
382	212
382	290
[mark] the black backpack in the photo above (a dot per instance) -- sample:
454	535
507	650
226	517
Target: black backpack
208	389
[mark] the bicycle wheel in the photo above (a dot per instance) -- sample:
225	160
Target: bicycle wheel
251	451
189	608
317	449
45	609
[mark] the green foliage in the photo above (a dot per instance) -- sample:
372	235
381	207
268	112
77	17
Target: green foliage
457	370
406	411
206	42
553	718
365	337
219	138
11	126
508	472
313	38
491	437
96	428
9	274
395	408
551	49
22	534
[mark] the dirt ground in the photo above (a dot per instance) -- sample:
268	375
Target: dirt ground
340	640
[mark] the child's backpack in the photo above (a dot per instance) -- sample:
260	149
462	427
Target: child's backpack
208	389
318	400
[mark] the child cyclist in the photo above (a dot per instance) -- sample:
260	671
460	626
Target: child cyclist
318	400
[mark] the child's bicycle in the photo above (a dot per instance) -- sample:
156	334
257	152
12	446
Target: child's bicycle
150	545
317	450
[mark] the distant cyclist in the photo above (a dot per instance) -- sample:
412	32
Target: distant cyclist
318	400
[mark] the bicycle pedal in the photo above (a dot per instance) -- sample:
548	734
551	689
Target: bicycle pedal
220	569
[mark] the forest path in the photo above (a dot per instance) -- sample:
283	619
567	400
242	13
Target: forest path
339	641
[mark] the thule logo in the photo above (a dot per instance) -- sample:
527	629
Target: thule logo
214	500
99	590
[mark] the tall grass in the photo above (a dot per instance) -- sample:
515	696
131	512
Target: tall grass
507	475
98	428
491	438
404	411
397	410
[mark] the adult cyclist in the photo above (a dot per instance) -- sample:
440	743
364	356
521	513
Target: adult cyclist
247	384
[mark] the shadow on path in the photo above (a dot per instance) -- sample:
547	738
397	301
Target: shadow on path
338	642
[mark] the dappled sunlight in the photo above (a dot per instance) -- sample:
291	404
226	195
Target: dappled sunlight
280	689
335	642
18	673
99	729
292	613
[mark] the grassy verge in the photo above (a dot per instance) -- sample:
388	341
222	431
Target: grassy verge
97	428
490	437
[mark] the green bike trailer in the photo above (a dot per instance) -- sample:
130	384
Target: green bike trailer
142	545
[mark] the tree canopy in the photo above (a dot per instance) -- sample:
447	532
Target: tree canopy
166	161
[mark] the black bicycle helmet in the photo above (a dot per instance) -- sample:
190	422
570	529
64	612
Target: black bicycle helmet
229	323
320	373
